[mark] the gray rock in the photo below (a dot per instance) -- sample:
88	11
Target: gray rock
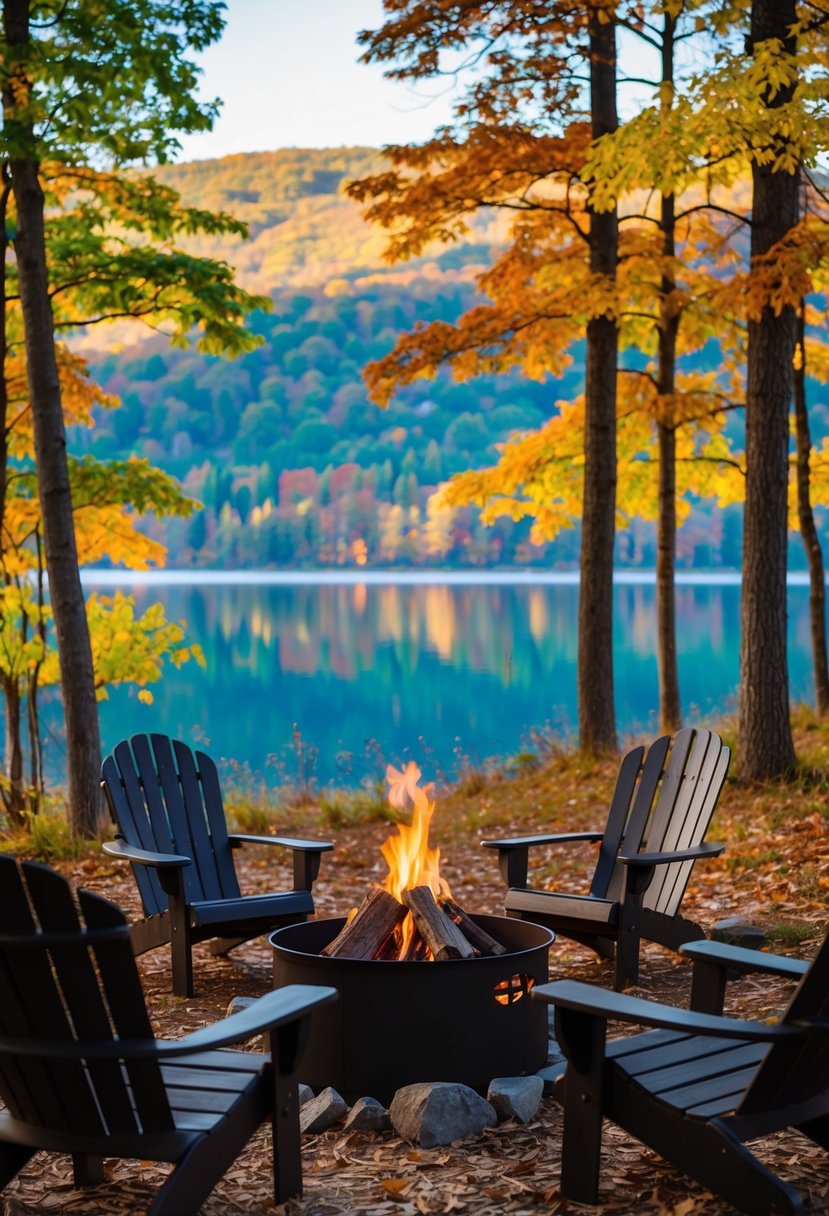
238	1003
323	1111
367	1115
554	1054
738	932
304	1093
551	1073
515	1097
438	1112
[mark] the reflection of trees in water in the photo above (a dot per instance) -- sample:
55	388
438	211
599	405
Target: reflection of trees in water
343	630
707	618
351	662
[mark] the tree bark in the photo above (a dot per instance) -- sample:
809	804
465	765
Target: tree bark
808	529
765	737
670	708
66	594
597	718
14	799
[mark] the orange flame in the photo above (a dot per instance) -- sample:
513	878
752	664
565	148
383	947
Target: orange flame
410	860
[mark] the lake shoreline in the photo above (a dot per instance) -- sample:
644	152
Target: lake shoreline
413	578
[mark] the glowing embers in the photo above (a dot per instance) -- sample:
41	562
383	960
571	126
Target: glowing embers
508	991
413	916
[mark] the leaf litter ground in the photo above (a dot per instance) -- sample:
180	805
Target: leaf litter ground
774	873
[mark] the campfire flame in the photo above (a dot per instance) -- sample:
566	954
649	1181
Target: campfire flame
411	862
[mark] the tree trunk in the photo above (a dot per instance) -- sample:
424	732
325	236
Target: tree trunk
808	529
36	783
83	747
766	747
14	797
670	709
597	719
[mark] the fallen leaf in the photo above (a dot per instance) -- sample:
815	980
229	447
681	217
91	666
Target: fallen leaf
395	1186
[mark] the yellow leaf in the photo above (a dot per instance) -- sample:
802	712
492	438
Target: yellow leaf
145	696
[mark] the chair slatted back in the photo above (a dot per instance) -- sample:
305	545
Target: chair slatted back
71	978
166	798
797	1072
617	819
637	812
690	789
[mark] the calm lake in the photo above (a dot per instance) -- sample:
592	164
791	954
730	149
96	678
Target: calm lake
379	669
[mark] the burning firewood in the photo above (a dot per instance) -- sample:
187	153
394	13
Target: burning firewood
439	931
483	942
367	932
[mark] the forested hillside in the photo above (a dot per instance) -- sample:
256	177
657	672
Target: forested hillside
292	462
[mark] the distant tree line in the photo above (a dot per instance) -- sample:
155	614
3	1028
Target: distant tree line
232	432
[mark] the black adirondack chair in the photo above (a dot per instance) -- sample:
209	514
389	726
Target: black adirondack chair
701	1085
658	817
82	1073
166	803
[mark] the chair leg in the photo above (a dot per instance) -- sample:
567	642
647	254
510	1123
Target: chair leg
180	948
87	1171
12	1159
627	955
285	1045
583	1042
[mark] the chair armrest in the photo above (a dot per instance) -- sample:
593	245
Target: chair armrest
641	867
739	958
708	848
270	1011
144	857
716	962
513	852
520	842
287	842
307	854
169	865
619	1007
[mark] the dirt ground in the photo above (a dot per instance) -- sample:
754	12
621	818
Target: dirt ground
510	1169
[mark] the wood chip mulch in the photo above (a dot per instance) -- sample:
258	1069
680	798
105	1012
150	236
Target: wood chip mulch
510	1169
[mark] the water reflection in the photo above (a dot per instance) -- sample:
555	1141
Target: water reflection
425	670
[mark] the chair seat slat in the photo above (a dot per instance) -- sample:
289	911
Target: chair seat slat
707	1065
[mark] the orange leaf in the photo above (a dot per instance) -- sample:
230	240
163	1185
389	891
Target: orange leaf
394	1186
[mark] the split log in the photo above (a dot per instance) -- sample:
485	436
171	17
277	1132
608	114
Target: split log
367	933
439	931
483	942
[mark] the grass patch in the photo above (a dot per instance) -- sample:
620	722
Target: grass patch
47	837
340	808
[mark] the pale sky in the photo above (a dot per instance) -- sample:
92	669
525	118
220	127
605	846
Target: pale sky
288	75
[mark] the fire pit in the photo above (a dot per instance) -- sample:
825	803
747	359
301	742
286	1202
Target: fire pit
427	992
395	1023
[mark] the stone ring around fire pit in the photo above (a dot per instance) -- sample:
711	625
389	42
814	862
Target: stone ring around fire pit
397	1023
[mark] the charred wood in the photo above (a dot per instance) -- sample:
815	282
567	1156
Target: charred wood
439	931
483	942
367	933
